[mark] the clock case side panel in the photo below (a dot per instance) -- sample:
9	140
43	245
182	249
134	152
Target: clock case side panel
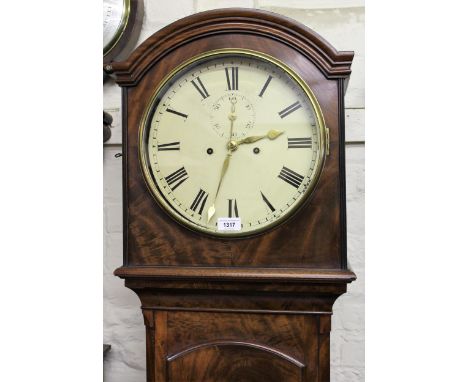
124	175
342	84
154	239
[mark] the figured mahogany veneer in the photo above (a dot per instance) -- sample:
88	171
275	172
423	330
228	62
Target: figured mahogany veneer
250	309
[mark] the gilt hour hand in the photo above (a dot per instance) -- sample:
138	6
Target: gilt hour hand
272	134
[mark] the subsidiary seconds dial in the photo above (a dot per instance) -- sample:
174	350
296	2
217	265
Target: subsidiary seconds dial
232	134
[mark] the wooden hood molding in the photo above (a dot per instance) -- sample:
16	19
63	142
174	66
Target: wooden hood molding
332	63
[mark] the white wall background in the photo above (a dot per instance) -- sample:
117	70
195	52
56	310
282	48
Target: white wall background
341	22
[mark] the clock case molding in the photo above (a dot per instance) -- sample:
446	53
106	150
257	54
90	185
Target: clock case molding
197	291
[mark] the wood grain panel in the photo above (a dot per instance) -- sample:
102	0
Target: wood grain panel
233	362
239	347
280	332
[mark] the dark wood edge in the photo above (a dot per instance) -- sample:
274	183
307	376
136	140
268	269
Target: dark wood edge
238	310
342	173
124	107
332	63
247	274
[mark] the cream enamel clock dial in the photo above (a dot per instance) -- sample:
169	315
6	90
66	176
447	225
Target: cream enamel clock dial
232	143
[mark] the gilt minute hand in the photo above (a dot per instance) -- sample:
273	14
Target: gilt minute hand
272	134
232	117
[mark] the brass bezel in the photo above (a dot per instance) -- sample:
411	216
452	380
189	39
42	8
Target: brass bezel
120	30
153	187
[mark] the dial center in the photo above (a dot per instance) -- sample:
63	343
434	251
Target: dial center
232	145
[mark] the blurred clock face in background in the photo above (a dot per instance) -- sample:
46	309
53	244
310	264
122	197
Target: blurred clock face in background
232	136
115	17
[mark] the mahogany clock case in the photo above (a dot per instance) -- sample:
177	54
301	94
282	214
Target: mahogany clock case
254	309
315	237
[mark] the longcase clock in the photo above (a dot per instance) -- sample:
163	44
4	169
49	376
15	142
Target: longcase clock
234	196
